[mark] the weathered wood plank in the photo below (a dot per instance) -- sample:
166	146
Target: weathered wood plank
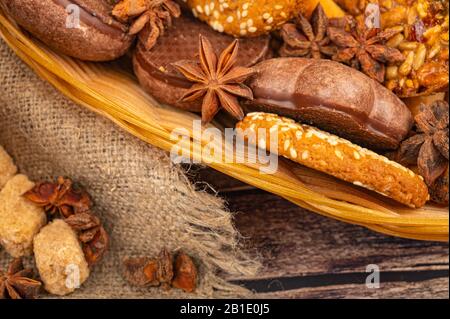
293	241
435	288
298	247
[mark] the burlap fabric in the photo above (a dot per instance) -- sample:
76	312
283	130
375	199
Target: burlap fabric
147	203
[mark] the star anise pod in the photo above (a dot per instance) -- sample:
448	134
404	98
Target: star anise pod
91	234
144	271
217	80
364	48
162	271
305	39
63	197
429	147
156	14
185	277
18	282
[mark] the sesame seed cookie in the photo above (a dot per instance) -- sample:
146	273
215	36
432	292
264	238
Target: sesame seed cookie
244	18
338	157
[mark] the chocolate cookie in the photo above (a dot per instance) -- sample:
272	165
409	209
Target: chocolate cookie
335	156
154	67
333	97
83	29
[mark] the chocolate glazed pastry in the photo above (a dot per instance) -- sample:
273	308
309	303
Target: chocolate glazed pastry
332	97
97	37
160	78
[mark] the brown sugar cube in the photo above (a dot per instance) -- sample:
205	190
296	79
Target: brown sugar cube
60	259
20	220
7	167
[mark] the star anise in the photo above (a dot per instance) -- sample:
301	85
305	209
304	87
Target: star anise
429	147
143	271
91	234
18	282
217	80
157	14
305	39
162	271
364	48
185	276
63	197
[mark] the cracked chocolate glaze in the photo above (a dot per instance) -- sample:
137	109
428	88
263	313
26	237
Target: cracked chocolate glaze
98	20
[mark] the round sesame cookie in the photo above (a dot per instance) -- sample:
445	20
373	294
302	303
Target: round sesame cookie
335	156
244	18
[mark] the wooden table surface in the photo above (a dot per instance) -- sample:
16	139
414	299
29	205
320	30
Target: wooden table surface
305	255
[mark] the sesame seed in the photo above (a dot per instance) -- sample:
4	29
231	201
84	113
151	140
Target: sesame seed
252	29
339	154
305	155
230	19
356	155
287	143
293	153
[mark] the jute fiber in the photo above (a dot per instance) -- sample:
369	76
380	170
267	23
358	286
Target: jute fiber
145	201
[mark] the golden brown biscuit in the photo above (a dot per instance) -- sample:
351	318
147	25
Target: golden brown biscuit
242	18
340	158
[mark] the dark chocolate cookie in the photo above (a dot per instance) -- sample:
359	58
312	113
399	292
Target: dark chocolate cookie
83	29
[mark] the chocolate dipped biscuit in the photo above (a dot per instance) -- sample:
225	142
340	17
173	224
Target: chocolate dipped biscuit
332	97
83	29
156	73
